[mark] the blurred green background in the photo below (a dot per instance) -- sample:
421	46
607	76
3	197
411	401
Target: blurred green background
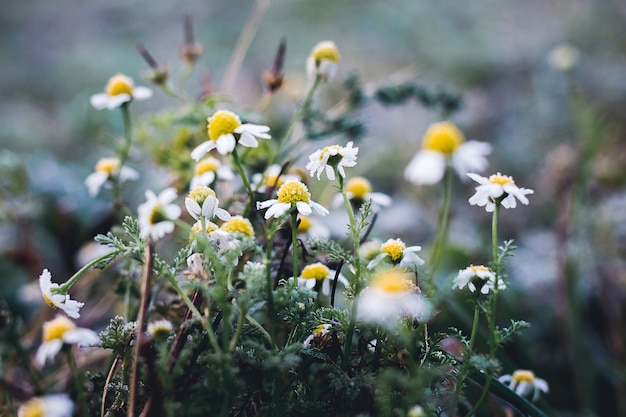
560	133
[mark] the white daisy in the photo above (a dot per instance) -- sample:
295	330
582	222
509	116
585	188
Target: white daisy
53	405
477	278
157	213
160	329
58	300
319	331
499	189
202	201
208	170
314	273
60	331
107	169
326	159
311	227
222	128
291	194
323	61
119	90
524	382
359	190
399	253
272	178
391	295
444	142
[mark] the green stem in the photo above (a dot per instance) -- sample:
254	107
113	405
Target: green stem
294	242
62	289
233	342
80	395
251	199
357	275
125	149
467	356
269	288
443	222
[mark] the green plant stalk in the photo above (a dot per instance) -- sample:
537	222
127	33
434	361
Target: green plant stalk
80	394
128	139
357	275
467	357
64	288
240	320
246	183
269	288
443	222
294	241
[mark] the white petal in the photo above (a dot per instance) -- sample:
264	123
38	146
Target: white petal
303	208
202	149
222	214
426	167
319	209
225	144
265	204
141	93
48	350
247	139
193	207
117	100
99	101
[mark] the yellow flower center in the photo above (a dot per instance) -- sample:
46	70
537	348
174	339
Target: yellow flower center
55	329
293	192
196	230
325	50
478	268
119	84
274	181
200	193
392	281
221	123
157	215
108	165
317	271
33	408
206	165
318	330
501	179
359	187
304	225
238	224
394	248
524	376
443	137
327	149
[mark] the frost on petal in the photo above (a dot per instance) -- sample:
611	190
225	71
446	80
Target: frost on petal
426	168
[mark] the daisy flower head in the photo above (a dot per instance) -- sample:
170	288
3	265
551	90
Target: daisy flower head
107	169
477	278
396	251
61	331
53	405
359	190
225	130
312	228
391	295
55	299
227	245
525	383
119	90
323	61
208	170
202	201
160	329
444	142
319	273
497	189
239	225
291	194
330	158
318	332
271	179
157	212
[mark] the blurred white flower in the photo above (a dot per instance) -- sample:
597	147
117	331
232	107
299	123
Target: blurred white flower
323	61
272	178
53	405
524	383
156	214
221	129
497	188
119	90
398	253
208	170
160	329
60	331
107	169
326	159
477	277
58	300
291	194
359	190
563	57
311	227
444	141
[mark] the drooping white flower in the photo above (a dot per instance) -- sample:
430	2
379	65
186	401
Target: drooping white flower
60	331
318	272
326	159
323	61
499	189
107	169
119	90
202	201
222	128
477	277
208	170
391	295
156	214
524	383
291	194
58	300
398	253
444	142
53	405
359	190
